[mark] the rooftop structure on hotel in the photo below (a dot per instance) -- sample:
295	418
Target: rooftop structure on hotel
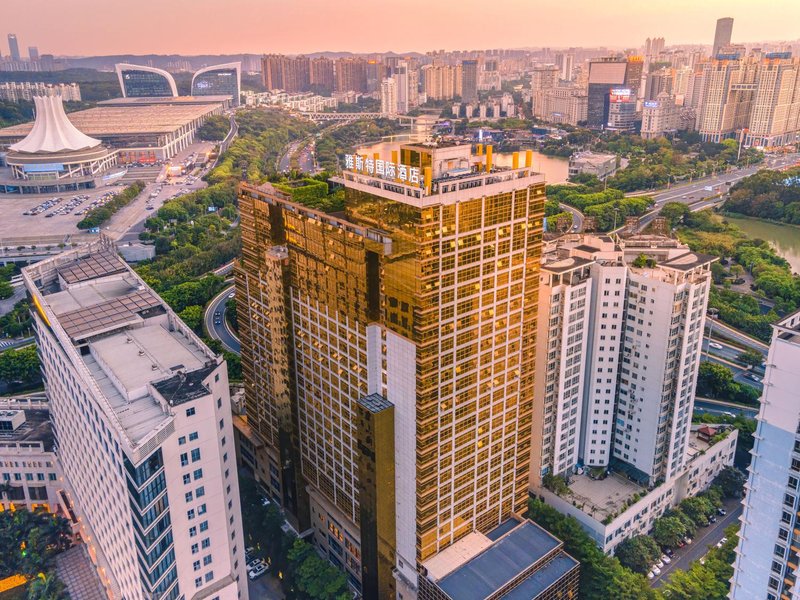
144	431
517	560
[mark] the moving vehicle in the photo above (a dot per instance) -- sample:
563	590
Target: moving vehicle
715	345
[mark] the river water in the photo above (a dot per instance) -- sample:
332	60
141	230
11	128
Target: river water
555	169
785	239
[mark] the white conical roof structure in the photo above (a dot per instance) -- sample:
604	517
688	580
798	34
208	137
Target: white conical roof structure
52	130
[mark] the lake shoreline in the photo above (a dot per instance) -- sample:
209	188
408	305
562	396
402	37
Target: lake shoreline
783	238
734	215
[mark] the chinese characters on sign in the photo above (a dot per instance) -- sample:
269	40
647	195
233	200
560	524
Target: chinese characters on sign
381	168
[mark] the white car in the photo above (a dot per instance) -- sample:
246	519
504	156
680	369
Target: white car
715	345
650	575
256	571
665	559
660	564
656	571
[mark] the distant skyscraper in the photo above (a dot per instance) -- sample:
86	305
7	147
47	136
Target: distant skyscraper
351	75
287	73
722	35
322	75
767	554
33	53
389	96
469	81
544	77
565	64
605	74
13	46
653	47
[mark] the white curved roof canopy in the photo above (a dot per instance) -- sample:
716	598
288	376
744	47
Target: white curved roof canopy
122	67
52	130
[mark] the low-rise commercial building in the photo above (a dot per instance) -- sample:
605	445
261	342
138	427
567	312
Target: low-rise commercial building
140	130
28	464
611	507
592	163
517	560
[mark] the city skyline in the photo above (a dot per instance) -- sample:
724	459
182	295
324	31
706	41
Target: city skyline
263	26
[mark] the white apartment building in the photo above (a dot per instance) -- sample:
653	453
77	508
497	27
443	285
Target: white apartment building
660	116
389	96
757	97
144	432
619	362
769	538
28	464
17	91
561	105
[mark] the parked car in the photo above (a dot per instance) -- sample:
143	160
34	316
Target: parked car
668	551
665	559
722	512
656	571
257	571
687	539
650	575
712	519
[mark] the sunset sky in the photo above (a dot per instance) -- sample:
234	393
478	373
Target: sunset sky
95	27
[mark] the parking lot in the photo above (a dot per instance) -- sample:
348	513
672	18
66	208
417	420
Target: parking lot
16	225
705	538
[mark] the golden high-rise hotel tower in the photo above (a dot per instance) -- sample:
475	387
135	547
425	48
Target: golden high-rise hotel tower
388	354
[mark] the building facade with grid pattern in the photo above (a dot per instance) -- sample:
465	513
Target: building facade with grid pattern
422	294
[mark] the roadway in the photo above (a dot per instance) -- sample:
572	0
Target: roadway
696	193
737	336
718	407
221	331
577	216
705	539
727	356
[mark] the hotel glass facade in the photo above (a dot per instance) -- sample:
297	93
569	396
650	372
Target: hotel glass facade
417	303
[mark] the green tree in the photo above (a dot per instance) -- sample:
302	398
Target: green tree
731	482
602	577
193	316
669	531
6	291
697	508
751	357
714	380
20	366
698	583
47	586
215	129
674	212
637	553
